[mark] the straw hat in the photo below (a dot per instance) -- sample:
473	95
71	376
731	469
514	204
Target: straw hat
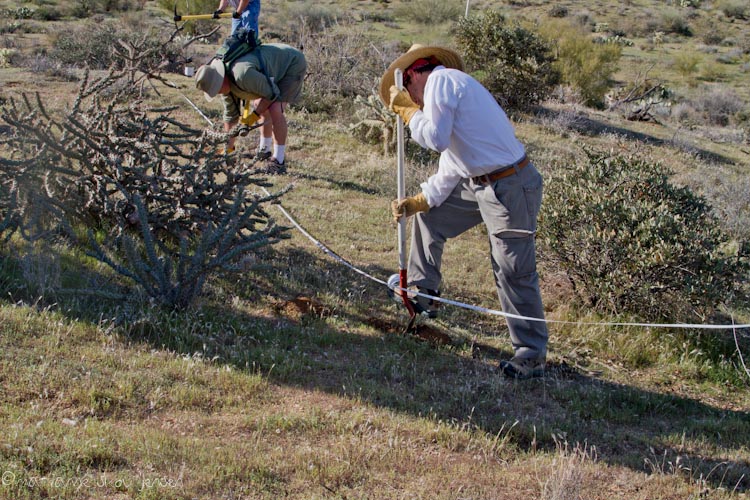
447	57
209	78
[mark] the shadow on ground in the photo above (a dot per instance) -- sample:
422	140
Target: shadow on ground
587	126
351	346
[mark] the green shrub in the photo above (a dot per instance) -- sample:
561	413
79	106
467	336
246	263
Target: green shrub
735	9
558	10
430	12
513	63
674	22
632	242
584	65
686	64
45	13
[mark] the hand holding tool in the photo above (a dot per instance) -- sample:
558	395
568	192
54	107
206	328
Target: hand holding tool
409	206
402	105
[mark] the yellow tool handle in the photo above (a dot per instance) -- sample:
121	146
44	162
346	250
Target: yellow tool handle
196	17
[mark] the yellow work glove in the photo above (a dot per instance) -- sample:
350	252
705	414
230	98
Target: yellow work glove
409	206
249	117
402	105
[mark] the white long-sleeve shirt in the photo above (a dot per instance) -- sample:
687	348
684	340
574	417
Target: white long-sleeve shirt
463	122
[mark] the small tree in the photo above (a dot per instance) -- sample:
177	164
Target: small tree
632	242
512	62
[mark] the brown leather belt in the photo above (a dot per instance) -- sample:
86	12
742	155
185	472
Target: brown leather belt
502	173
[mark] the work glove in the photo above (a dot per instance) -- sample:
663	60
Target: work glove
236	15
249	118
217	12
409	206
402	105
225	151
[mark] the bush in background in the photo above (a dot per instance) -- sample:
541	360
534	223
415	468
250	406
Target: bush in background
430	12
342	64
94	45
584	65
632	242
515	64
735	9
674	22
718	104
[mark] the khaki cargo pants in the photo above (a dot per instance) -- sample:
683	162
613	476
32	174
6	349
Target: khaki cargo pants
509	208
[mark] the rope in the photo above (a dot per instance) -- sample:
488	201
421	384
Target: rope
494	312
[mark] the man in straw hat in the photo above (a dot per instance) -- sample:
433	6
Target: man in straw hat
483	176
268	76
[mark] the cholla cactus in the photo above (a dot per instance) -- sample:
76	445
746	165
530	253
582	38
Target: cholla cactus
376	122
139	190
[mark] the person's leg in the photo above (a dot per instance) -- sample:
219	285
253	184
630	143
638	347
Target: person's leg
280	130
432	229
265	142
510	208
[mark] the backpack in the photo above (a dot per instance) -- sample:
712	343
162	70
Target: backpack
236	45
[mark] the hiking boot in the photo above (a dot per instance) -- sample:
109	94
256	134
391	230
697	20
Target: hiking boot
262	155
273	167
523	368
422	305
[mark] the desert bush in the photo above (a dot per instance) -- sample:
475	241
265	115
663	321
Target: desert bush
718	104
82	9
513	63
673	21
558	10
297	21
712	72
45	13
50	67
133	186
686	64
735	9
712	37
342	64
430	12
632	242
583	64
95	45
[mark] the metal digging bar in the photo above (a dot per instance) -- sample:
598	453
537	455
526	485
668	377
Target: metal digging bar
401	194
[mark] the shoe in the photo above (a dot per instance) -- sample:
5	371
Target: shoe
523	368
422	305
262	155
273	167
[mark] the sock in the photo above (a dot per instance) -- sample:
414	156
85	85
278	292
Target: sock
278	152
266	143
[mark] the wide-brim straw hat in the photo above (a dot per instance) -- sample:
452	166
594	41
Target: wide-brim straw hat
209	78
447	57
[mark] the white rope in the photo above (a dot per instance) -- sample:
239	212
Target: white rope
495	312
